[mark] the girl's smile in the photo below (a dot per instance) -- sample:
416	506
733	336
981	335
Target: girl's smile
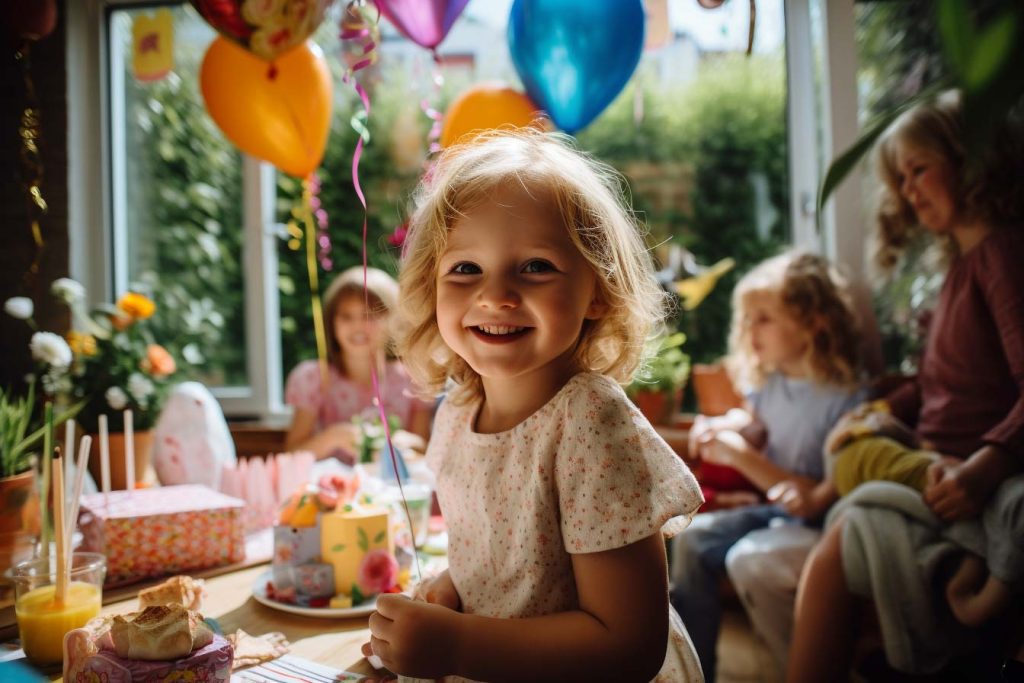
513	291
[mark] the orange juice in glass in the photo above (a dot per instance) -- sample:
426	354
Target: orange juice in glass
42	621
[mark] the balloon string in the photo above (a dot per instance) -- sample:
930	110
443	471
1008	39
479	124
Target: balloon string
355	27
435	116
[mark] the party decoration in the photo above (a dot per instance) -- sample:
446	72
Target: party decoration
485	107
574	56
694	289
153	46
424	22
281	114
29	20
267	28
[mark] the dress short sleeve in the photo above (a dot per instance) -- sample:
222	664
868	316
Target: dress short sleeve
302	389
618	481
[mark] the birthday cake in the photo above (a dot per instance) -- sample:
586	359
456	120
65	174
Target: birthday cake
332	549
160	643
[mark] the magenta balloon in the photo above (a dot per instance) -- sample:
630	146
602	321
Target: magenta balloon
424	22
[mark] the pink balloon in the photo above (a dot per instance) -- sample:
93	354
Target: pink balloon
424	22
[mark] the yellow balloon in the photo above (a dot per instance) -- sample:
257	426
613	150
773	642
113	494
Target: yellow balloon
485	107
279	112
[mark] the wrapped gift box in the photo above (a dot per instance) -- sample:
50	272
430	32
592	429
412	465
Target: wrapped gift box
163	530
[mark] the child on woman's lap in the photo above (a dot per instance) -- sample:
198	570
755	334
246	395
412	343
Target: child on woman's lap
527	286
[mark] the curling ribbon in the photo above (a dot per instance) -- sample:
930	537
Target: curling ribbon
304	213
31	133
436	117
354	27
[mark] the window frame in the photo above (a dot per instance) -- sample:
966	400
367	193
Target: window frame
98	255
96	231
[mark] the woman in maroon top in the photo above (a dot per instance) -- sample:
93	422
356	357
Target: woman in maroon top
967	403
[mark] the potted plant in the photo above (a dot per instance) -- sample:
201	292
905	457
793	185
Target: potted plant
657	387
110	361
20	437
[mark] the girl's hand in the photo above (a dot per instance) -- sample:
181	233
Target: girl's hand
953	491
726	448
802	497
439	590
701	434
413	638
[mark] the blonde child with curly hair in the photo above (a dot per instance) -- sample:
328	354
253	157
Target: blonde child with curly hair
793	352
528	289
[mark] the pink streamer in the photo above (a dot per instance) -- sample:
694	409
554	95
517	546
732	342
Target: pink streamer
364	35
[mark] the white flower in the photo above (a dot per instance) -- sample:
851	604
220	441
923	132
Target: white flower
67	290
116	398
139	387
56	381
51	349
19	307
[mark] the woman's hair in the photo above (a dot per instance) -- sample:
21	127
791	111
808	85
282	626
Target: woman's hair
987	186
381	290
815	296
588	197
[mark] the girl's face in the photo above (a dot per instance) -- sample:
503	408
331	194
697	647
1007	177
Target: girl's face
513	291
927	182
356	333
778	341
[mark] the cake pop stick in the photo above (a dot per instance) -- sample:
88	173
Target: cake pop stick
129	451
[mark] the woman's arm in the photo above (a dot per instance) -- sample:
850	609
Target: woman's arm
619	632
732	450
958	489
301	436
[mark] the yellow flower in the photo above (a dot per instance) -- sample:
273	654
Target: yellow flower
136	305
82	344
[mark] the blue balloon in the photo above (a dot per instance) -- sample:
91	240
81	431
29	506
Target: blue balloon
575	56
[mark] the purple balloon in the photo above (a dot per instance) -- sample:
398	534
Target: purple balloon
424	22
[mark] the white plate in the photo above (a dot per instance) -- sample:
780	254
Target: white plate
259	592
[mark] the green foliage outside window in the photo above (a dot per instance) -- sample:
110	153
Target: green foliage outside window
706	162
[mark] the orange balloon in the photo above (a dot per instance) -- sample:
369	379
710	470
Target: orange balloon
278	112
486	107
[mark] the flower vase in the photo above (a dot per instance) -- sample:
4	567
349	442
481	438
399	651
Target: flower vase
20	517
143	443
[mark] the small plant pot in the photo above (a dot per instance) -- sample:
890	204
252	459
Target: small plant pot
20	517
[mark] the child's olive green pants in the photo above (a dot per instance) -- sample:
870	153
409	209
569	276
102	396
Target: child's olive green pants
879	458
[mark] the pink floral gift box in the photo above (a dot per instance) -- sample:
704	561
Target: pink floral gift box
163	530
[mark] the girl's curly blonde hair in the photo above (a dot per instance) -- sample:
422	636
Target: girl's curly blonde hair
589	198
813	294
987	187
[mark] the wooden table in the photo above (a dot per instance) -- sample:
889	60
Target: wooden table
332	642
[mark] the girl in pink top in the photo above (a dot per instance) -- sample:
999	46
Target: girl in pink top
527	285
357	340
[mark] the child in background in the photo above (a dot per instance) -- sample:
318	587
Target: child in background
959	426
527	285
357	340
794	353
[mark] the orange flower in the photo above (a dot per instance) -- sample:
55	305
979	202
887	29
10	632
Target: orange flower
82	344
136	305
158	362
